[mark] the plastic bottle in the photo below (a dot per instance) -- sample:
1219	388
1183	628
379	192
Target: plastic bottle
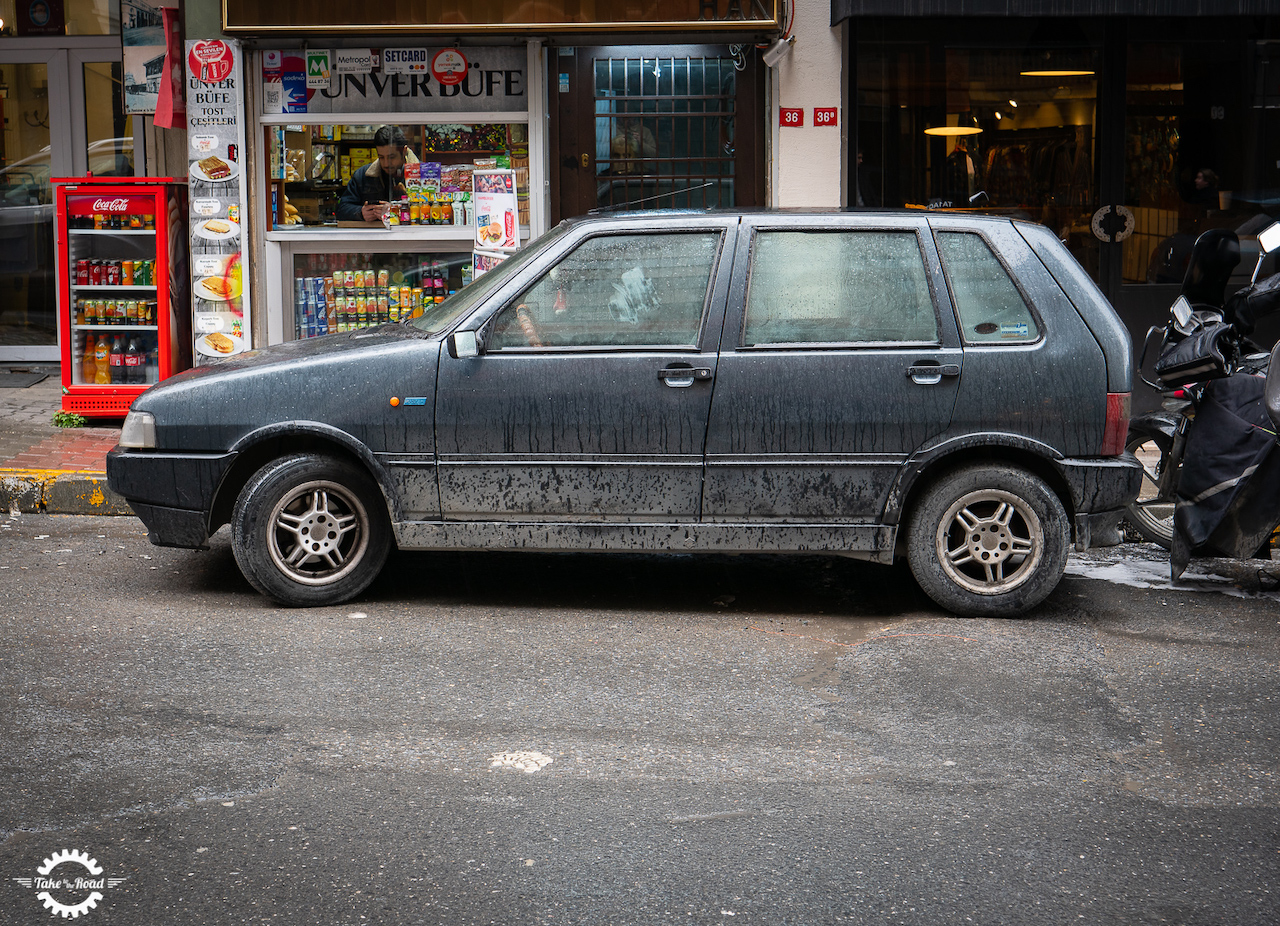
88	363
116	360
102	360
133	363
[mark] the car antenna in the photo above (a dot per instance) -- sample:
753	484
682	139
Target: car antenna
647	199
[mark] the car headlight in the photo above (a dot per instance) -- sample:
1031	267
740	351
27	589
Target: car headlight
139	430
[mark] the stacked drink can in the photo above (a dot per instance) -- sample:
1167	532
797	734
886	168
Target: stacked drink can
349	299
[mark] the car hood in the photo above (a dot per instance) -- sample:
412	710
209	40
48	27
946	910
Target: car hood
365	340
340	381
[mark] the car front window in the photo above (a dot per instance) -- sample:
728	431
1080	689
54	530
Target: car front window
838	286
439	317
616	290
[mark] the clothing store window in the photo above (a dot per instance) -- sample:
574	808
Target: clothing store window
1195	158
1012	130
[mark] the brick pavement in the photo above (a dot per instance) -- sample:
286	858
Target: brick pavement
49	469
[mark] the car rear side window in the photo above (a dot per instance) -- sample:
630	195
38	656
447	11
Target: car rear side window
838	286
616	290
991	307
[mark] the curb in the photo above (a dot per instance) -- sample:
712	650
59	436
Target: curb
47	491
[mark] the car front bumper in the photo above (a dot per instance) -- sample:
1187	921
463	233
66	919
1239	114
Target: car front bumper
173	493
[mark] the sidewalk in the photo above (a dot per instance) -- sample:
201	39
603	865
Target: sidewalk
46	469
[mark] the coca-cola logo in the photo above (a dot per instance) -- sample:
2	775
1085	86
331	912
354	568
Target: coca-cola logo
111	205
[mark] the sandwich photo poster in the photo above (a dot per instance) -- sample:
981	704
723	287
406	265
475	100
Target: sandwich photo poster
220	303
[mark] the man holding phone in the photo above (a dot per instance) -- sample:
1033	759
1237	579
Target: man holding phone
379	183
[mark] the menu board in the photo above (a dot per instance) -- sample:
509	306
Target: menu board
218	198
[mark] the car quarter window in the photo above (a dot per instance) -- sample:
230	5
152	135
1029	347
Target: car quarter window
616	290
991	307
854	285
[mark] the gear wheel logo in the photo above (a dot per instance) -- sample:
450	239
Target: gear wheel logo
69	882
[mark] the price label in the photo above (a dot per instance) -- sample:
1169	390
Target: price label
825	115
790	117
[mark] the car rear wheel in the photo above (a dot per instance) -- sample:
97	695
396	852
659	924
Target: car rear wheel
988	541
310	529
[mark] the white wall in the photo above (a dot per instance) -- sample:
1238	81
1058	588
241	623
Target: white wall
806	164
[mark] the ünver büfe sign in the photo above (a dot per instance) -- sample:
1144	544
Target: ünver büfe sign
406	80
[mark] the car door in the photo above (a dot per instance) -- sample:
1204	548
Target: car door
836	366
589	400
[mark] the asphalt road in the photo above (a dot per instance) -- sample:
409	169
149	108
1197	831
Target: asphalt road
723	740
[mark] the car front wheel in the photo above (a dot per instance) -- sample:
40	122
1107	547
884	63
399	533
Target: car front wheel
988	541
310	530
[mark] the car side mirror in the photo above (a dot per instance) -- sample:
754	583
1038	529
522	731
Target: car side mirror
464	345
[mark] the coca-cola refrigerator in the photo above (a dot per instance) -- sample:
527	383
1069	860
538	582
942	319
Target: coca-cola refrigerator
124	319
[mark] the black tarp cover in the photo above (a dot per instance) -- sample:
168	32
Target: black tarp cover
1229	489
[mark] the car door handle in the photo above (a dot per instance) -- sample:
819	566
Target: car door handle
680	377
929	374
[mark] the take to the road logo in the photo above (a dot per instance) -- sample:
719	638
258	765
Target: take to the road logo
70	884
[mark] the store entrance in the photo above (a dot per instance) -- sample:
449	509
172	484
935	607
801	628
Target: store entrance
655	127
40	88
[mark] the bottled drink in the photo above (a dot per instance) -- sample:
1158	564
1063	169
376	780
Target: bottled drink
133	364
116	360
89	365
102	360
153	365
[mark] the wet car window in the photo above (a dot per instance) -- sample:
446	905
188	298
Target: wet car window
616	290
439	317
990	305
847	286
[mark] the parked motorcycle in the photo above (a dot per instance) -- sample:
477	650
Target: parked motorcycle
1206	340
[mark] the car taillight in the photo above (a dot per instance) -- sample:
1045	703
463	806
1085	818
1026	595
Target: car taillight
1117	428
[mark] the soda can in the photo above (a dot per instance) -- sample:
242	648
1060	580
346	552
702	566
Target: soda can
95	273
126	273
393	303
349	279
82	273
384	278
111	273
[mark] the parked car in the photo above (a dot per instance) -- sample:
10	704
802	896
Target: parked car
952	389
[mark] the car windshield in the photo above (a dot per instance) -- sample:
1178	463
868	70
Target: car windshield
440	316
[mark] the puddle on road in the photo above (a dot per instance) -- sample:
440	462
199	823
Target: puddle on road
1145	566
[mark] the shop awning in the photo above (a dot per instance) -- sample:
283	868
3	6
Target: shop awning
844	9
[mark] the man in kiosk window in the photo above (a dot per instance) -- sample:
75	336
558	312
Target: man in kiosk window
379	182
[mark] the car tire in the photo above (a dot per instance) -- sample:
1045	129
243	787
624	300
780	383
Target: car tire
1149	514
276	530
988	541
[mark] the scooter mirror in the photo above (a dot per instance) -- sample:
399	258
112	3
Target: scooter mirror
1182	314
1269	240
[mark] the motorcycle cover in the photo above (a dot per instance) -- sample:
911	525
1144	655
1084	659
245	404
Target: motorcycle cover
1228	500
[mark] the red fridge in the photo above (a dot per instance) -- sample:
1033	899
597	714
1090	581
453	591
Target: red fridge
124	315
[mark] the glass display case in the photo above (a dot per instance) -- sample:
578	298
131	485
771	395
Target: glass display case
120	301
339	291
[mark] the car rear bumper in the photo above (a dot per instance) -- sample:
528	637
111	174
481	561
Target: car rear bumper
1100	484
173	493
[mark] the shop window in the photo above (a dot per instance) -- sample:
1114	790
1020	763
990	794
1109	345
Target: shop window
311	166
944	124
342	292
620	290
990	307
1192	162
822	287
